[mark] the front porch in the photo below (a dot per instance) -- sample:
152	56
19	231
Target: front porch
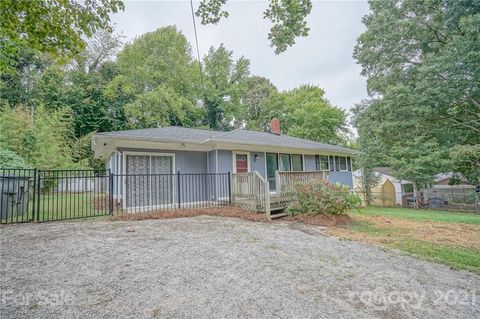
252	191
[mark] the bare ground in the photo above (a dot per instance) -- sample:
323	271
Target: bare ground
214	267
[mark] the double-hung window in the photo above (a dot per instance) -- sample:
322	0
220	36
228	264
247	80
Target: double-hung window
284	163
342	163
297	163
321	163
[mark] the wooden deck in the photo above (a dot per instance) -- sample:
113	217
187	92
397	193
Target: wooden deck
251	191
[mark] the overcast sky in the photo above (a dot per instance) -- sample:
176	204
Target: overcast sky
324	58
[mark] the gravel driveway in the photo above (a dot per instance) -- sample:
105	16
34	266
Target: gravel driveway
211	267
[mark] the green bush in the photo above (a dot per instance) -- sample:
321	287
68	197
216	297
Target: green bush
10	159
321	197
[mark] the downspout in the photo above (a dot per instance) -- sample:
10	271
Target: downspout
216	171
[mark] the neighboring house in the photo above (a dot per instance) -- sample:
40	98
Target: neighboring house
167	150
389	191
449	179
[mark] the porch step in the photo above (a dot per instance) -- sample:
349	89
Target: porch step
279	215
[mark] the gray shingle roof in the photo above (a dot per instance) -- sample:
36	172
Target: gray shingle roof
266	138
175	133
192	135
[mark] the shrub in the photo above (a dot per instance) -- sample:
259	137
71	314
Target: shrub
321	197
10	159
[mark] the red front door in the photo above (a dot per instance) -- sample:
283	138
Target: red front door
241	162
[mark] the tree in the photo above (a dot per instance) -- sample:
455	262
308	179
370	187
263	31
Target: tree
17	85
288	18
466	159
225	84
306	113
102	47
157	80
54	27
423	68
43	143
259	91
161	57
10	159
161	107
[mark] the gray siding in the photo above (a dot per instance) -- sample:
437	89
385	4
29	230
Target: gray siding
344	178
225	161
185	161
259	164
309	162
211	162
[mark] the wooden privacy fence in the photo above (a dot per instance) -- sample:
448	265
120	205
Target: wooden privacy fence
286	182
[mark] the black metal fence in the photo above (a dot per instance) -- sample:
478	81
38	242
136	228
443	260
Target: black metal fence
46	195
133	193
17	195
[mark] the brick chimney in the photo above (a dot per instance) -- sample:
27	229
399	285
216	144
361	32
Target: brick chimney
275	126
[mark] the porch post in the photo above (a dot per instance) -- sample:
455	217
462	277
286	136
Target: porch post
278	183
267	199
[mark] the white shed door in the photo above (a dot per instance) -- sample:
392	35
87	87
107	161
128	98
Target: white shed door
148	181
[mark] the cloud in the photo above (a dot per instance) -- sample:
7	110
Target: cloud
324	58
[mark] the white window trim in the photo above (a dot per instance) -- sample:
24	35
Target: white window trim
291	162
124	172
279	160
234	160
346	164
320	162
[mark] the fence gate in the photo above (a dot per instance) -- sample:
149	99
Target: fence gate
45	195
69	194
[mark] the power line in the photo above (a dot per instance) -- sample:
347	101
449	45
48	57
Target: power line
198	50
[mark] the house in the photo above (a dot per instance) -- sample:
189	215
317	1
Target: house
389	191
449	179
266	157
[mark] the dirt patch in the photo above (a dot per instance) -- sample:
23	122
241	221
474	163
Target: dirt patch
230	211
322	220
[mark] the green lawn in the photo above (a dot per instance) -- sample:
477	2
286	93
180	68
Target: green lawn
421	214
63	206
67	206
447	237
455	257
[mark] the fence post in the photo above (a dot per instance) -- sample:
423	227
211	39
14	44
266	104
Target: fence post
34	190
39	186
229	189
178	189
110	192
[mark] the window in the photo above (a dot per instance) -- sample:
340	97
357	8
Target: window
297	163
343	163
332	163
321	163
349	164
285	162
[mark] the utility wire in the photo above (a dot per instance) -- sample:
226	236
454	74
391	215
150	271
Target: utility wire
198	50
200	67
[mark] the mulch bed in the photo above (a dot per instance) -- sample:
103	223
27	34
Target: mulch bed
230	211
235	212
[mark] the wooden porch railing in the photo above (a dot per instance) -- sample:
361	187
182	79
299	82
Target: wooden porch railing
250	191
286	182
